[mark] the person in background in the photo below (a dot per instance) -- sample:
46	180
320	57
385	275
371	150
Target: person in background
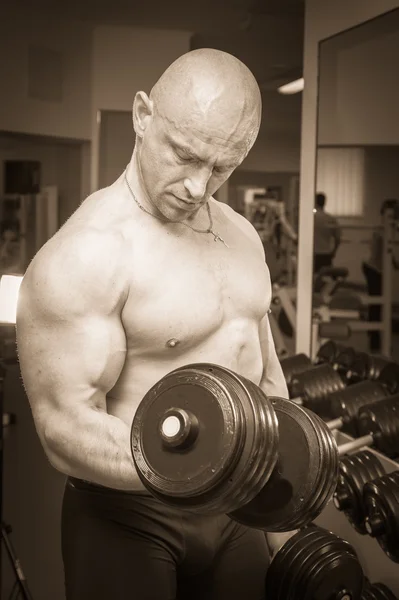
327	235
372	271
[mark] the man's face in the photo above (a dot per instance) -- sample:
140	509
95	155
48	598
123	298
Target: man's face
182	165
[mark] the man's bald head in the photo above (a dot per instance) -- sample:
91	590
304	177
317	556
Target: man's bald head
207	86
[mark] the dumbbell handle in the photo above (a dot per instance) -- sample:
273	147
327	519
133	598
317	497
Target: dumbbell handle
366	440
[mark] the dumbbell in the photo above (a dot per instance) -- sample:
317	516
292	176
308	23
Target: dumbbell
381	507
377	591
378	426
208	440
363	366
292	365
389	376
312	388
354	472
328	352
315	564
345	404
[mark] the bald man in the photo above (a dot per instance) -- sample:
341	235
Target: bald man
150	274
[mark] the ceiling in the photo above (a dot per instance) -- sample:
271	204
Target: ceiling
267	35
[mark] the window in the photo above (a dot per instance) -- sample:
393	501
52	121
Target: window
340	176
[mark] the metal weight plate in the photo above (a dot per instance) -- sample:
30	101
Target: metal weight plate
354	472
346	403
314	565
367	366
304	477
259	454
293	365
315	386
196	436
378	591
381	419
344	361
328	352
381	505
389	376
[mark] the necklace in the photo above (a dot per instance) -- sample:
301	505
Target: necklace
216	236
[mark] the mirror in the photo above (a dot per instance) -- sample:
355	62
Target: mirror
356	215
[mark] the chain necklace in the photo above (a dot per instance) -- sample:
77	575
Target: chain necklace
216	236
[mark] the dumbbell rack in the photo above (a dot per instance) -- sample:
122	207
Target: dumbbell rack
376	565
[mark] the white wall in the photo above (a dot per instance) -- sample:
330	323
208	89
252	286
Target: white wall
323	19
125	61
65	47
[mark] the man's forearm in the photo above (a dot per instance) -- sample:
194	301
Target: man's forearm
96	448
275	386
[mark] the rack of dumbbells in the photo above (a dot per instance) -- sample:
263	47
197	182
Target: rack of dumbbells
357	396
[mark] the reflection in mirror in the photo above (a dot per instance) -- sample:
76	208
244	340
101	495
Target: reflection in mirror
356	213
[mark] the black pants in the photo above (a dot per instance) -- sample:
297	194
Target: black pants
120	546
322	260
374	288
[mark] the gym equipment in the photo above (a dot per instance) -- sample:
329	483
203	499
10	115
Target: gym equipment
389	376
365	366
204	438
328	352
378	426
377	591
381	506
345	404
312	388
208	440
304	477
315	564
292	365
354	472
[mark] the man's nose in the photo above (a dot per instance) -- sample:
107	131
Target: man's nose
197	182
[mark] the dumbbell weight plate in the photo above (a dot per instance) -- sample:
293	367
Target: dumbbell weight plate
315	386
389	376
328	352
378	591
381	505
347	402
223	447
314	565
304	477
381	420
293	365
354	472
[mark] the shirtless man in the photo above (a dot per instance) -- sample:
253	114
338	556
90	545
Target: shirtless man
148	275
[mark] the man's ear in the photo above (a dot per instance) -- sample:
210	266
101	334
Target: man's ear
142	112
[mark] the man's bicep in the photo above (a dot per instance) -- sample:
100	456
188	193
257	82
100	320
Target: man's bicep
71	349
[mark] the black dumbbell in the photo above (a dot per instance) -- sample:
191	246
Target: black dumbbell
312	388
381	506
377	591
378	426
354	472
315	564
328	352
345	404
389	376
365	366
208	440
292	365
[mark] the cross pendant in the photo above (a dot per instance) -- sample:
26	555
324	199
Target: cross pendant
218	238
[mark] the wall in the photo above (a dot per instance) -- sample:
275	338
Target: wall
125	61
322	20
46	76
